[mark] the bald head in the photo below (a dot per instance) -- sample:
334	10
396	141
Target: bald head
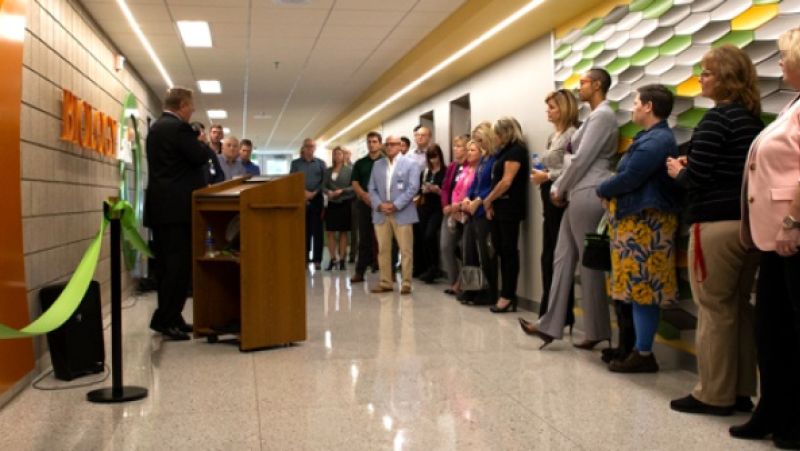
392	143
230	148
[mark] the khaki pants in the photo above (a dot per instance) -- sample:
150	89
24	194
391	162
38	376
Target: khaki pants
404	234
726	356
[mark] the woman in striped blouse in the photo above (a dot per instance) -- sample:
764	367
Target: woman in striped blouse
721	269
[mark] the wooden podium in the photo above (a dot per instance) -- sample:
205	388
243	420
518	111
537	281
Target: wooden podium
262	287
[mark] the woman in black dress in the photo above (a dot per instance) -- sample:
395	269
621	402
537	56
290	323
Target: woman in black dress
430	212
337	188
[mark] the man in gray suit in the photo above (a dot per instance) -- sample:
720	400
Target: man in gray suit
393	185
591	148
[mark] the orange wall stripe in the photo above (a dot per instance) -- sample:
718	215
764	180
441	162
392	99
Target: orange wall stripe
16	356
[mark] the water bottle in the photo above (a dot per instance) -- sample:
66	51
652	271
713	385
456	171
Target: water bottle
536	162
210	251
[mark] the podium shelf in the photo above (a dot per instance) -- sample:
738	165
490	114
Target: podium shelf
235	260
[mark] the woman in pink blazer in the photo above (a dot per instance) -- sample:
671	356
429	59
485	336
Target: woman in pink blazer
771	223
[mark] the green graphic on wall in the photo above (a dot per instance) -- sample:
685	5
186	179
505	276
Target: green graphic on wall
663	41
130	153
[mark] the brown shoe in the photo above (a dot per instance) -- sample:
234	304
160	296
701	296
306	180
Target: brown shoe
405	290
357	278
380	289
635	363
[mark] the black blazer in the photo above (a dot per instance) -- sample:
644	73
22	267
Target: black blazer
176	163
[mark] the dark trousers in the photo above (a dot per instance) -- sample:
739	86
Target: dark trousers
314	228
429	225
354	230
477	253
505	239
552	222
777	324
366	238
172	247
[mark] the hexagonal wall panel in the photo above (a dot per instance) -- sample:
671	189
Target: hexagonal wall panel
705	5
693	23
663	41
674	16
659	36
630	21
777	101
730	9
711	32
644	28
754	17
617	40
761	50
604	33
790	6
771	30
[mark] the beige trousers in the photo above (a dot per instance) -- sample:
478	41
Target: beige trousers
726	355
404	234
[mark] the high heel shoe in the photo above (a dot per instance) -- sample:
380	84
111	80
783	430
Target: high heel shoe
511	306
588	345
331	264
530	329
570	328
341	264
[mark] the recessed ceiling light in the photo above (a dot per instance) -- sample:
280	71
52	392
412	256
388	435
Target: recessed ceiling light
217	114
195	33
209	86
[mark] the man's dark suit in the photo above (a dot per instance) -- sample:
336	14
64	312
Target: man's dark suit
176	166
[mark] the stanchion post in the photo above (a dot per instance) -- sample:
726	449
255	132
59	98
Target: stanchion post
118	392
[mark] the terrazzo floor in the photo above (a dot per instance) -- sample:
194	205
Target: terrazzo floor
377	372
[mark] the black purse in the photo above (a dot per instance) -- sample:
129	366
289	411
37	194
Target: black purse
597	248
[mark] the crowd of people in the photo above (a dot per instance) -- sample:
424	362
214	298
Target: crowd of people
737	185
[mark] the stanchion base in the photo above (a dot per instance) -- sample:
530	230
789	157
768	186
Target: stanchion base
106	395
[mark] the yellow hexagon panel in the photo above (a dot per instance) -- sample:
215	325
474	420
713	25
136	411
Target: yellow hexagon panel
754	17
572	82
690	87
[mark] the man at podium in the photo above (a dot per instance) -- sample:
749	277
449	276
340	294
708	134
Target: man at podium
176	163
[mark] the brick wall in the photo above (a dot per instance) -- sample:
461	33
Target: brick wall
63	185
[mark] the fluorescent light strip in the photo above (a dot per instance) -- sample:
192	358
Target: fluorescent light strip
217	114
137	30
442	65
195	33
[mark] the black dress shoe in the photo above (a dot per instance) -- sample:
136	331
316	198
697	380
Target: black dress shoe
754	429
185	327
690	404
635	363
174	334
786	443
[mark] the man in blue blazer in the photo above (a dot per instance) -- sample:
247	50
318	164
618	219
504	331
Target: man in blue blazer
392	187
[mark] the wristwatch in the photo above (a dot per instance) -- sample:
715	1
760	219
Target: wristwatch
790	223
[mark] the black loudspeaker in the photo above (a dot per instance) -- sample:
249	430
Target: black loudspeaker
76	348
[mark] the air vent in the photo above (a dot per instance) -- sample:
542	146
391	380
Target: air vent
292	2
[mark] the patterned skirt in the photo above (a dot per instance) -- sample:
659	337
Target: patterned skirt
643	257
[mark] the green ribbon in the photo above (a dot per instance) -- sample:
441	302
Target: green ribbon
73	293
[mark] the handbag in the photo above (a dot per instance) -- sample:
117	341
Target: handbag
472	278
597	248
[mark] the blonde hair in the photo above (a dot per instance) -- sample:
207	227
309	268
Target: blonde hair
568	107
489	140
478	145
789	44
737	80
507	130
461	139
